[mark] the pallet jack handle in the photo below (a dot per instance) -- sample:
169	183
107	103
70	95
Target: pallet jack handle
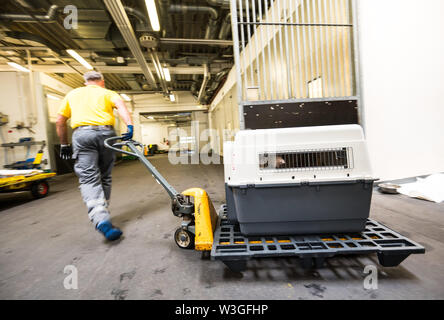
180	205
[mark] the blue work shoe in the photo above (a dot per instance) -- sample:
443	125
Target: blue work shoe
111	233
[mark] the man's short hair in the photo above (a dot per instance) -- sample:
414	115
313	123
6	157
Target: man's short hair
92	76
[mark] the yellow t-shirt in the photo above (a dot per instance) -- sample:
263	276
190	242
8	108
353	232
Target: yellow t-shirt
89	106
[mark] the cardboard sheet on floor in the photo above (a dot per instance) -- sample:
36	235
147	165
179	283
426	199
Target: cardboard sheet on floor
430	188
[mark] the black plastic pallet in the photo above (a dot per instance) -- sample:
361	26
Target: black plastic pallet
234	249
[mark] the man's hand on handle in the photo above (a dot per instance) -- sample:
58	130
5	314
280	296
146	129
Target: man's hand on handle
126	117
129	134
65	152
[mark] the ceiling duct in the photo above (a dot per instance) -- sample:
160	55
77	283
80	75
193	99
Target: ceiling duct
120	18
214	16
225	4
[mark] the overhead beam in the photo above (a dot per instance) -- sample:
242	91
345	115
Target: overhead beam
118	13
207	42
60	68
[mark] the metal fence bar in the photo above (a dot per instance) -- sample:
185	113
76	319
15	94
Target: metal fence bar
281	44
269	53
298	24
293	50
257	53
304	46
329	75
237	62
276	62
350	47
315	32
287	54
261	36
323	60
298	51
340	15
313	50
250	56
356	66
245	80
334	48
341	61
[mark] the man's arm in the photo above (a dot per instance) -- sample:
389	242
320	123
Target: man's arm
62	130
126	117
123	111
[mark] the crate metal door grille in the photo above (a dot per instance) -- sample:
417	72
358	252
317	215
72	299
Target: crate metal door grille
294	50
307	160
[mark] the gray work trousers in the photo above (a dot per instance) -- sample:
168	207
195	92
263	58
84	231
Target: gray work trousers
93	166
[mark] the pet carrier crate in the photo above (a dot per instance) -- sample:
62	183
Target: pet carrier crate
298	180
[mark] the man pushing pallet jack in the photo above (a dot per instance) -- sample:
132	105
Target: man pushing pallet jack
303	192
312	220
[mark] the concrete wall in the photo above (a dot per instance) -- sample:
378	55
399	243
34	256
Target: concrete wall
402	65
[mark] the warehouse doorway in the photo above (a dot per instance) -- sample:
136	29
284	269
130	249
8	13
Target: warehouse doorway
180	132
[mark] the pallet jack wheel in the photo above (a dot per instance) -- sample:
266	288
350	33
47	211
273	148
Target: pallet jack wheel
40	189
184	239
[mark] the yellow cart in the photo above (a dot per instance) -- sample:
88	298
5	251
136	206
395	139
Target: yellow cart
37	184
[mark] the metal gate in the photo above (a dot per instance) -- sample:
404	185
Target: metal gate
295	62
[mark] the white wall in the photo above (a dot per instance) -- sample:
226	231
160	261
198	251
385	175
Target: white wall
154	133
16	102
402	66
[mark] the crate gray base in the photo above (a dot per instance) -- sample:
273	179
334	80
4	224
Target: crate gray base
234	249
315	207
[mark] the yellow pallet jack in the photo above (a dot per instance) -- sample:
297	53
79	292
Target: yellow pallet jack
193	205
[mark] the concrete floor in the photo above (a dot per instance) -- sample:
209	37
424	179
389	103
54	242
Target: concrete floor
38	238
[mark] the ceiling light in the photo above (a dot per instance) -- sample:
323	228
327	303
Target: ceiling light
152	13
150	117
80	59
172	97
18	67
50	96
167	75
125	97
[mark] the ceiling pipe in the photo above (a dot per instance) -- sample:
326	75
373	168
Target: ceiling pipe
139	16
120	18
207	77
49	17
225	28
